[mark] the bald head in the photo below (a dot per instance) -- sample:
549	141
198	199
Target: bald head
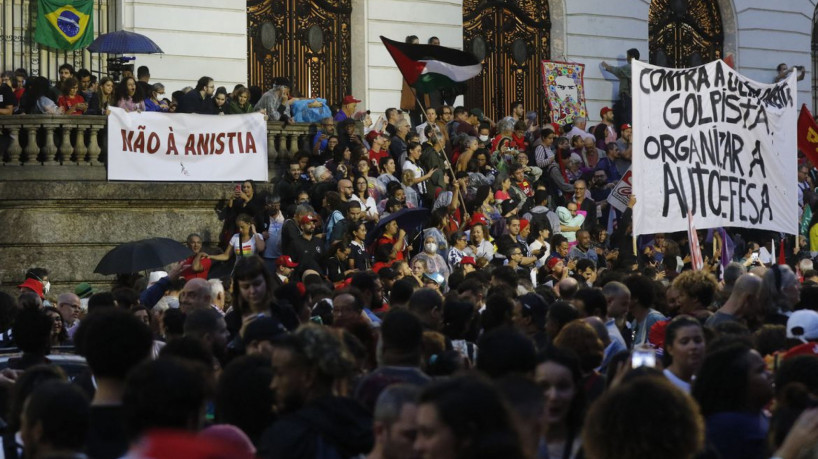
195	295
567	288
744	299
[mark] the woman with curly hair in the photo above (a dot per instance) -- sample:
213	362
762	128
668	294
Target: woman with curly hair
645	417
696	290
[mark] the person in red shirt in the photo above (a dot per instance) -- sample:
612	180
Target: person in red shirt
520	180
199	262
71	102
378	150
395	236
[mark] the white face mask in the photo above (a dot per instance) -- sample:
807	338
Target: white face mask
484	138
46	287
431	247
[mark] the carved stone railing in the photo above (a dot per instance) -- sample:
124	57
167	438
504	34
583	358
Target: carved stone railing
62	139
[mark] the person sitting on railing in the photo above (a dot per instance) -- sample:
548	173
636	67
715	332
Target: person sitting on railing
275	101
71	101
102	98
129	96
36	100
156	102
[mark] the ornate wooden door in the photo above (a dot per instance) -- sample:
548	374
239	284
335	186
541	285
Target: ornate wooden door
685	33
306	41
511	37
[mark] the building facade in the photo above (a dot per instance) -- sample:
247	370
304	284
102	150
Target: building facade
332	47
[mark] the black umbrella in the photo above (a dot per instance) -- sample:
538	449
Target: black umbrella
122	41
136	256
408	219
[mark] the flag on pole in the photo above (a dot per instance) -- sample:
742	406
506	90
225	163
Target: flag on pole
808	135
772	252
65	24
806	218
428	67
695	250
782	257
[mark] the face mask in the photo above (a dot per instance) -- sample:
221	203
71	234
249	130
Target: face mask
46	287
431	247
484	138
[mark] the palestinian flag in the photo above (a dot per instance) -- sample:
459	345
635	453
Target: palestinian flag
428	67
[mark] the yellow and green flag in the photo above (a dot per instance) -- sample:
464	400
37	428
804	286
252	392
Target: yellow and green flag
65	24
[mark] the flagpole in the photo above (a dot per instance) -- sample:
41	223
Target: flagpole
445	157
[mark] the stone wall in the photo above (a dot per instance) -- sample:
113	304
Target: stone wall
64	216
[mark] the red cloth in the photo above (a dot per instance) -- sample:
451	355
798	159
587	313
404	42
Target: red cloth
65	102
390	240
189	274
808	135
518	142
375	157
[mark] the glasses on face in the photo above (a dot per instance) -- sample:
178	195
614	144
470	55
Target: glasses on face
447	113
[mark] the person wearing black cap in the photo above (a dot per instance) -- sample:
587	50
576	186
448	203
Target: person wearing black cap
259	335
275	101
307	250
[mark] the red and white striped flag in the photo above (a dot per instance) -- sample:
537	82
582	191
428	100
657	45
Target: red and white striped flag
695	251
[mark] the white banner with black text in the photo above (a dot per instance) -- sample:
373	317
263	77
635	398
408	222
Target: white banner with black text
711	141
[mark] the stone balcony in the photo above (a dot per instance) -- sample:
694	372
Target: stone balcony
59	211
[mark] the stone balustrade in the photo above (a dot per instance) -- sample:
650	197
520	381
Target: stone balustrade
62	140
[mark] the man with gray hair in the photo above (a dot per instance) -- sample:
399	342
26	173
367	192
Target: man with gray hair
217	294
617	300
394	425
743	304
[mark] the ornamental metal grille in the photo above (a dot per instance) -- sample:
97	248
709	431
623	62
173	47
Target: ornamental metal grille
306	41
511	37
685	33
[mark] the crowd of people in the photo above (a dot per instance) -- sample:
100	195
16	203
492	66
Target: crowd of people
456	288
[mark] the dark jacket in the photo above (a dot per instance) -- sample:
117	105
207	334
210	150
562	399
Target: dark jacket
329	427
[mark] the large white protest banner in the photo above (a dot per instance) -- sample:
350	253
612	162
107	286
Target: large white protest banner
152	146
709	140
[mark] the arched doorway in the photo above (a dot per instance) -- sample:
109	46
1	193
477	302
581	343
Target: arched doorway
306	41
511	38
685	33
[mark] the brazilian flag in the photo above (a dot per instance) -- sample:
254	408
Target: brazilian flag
65	24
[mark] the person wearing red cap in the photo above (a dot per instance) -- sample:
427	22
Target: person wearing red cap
604	132
469	265
32	285
284	269
348	106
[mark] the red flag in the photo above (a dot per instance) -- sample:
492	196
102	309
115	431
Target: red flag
730	60
782	260
808	135
695	250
